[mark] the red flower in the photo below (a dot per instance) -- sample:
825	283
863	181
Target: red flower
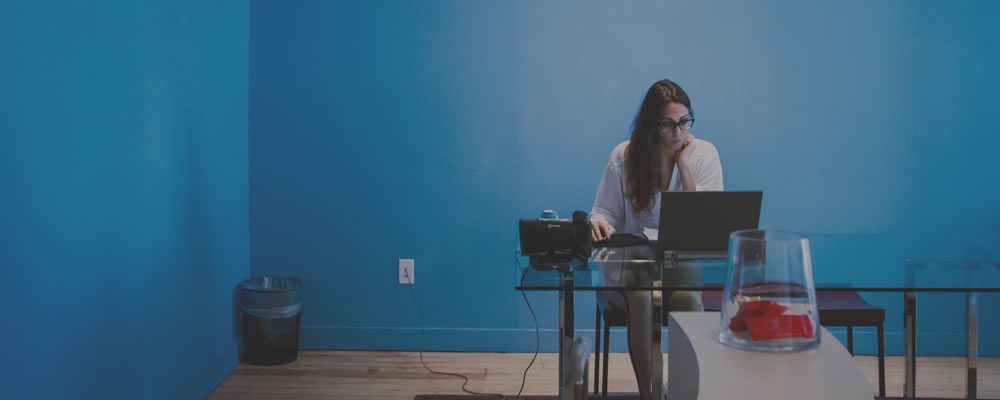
765	320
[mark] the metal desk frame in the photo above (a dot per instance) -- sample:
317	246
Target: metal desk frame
671	260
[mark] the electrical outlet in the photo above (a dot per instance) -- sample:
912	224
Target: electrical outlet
406	271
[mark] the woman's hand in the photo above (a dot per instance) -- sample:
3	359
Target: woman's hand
684	152
600	230
688	182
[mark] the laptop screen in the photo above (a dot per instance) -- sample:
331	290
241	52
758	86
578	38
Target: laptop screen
702	221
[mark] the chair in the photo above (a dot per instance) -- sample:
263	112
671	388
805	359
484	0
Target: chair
614	316
840	308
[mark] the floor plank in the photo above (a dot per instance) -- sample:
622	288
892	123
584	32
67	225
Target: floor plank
399	375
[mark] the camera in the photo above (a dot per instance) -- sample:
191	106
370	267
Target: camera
555	242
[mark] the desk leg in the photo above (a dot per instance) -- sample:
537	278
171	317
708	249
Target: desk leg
565	329
971	340
910	344
656	346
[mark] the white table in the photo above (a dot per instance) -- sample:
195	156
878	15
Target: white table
702	368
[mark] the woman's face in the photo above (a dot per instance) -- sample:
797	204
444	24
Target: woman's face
673	125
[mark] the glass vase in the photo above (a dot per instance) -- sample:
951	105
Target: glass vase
769	300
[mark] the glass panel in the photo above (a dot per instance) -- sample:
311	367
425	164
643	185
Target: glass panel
840	262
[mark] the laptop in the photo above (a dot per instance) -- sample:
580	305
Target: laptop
702	221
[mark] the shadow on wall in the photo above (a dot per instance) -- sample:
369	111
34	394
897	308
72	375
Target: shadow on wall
237	322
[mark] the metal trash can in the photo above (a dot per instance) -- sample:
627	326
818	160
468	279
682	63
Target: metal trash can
271	315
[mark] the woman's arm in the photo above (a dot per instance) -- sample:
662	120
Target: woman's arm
688	182
609	204
699	169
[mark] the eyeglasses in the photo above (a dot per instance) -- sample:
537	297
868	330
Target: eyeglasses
668	125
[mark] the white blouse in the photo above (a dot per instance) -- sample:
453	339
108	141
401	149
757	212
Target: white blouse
613	208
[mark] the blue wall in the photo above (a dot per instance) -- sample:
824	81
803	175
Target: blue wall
386	130
124	208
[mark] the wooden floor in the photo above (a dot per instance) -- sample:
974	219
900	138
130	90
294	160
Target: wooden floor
399	375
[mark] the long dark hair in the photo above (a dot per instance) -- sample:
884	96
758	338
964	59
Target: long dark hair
642	156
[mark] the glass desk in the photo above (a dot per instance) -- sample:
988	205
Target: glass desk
836	259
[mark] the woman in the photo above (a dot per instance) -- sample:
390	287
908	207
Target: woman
661	155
